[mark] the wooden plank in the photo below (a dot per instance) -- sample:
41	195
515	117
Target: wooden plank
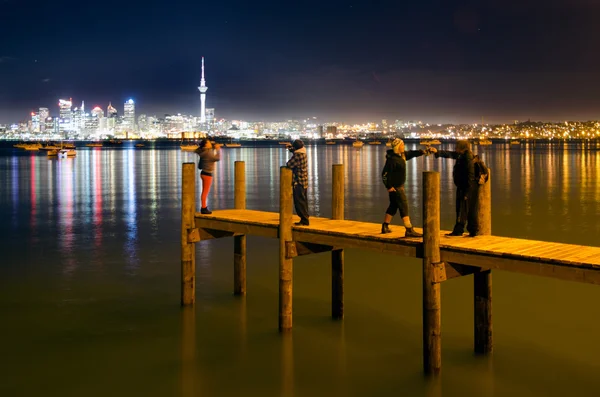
554	270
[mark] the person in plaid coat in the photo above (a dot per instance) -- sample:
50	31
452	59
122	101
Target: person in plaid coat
299	166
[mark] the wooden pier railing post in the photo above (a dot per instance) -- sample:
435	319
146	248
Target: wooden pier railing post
432	324
239	242
337	256
285	248
482	281
188	251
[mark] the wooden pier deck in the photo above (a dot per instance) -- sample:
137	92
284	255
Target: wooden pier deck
443	258
564	261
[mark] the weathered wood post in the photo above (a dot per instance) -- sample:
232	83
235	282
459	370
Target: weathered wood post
188	251
285	248
432	320
337	256
482	281
239	242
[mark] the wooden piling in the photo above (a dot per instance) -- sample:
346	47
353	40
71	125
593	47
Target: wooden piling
188	251
337	256
239	242
432	338
285	256
482	281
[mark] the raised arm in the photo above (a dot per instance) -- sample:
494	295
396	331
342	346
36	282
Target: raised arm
411	154
447	154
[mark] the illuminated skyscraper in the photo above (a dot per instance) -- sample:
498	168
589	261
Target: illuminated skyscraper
44	114
203	88
111	112
98	112
65	115
35	122
129	115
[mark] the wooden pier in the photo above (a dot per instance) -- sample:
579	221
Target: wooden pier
443	258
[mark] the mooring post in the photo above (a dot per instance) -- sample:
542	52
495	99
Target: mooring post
285	247
239	242
188	251
337	256
432	319
482	281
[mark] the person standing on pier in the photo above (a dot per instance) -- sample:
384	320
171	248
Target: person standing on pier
209	155
467	188
299	166
394	178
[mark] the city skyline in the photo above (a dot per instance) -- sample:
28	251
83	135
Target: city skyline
356	61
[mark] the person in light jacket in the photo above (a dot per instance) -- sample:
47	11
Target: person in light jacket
394	178
209	155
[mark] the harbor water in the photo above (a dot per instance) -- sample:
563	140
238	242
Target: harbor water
90	281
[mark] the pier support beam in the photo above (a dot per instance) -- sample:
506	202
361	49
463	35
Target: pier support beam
482	281
432	319
337	255
285	240
239	242
188	251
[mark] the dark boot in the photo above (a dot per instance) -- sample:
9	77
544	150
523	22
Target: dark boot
458	230
410	232
205	211
385	228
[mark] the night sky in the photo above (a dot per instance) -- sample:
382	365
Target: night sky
454	61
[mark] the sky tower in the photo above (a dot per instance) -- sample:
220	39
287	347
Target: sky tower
202	90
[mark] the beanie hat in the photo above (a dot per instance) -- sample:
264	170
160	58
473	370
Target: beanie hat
297	144
396	142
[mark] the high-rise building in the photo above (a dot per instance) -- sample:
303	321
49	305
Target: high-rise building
44	114
203	88
210	117
35	122
65	115
129	115
111	112
98	112
142	123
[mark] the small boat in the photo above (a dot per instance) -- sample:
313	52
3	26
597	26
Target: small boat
139	145
358	144
374	143
485	142
67	153
94	144
232	144
68	146
52	153
515	142
285	143
388	144
32	147
189	148
330	142
431	142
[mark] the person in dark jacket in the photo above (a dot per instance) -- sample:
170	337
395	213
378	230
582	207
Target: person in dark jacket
467	188
299	165
394	178
209	155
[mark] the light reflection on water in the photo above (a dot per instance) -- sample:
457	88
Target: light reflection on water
89	282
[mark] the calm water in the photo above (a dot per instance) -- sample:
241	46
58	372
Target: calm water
89	283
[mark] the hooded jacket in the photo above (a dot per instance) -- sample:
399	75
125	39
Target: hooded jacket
394	170
463	172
